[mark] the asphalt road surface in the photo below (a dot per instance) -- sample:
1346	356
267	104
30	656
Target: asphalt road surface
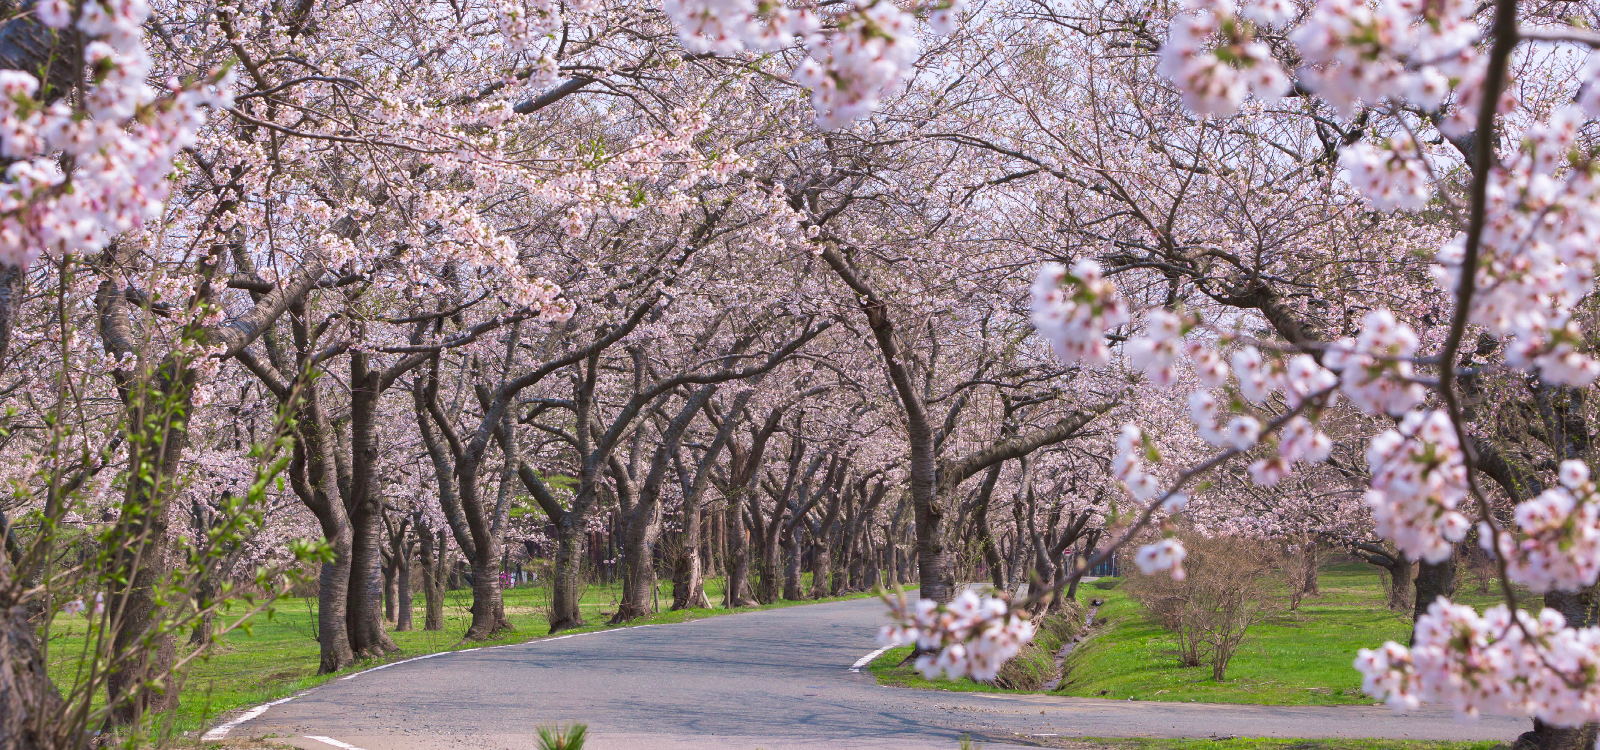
773	680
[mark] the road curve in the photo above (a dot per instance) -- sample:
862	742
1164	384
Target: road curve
773	680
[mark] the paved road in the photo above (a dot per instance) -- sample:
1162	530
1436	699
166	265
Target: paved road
773	680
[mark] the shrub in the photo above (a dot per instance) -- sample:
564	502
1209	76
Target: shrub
1106	584
1231	585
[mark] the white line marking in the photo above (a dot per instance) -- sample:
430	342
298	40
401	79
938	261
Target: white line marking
397	663
221	730
332	741
865	660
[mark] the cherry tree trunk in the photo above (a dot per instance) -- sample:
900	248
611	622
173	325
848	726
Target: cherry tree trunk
1433	581
821	566
858	569
390	570
205	594
332	597
158	438
29	701
367	636
934	561
688	579
871	568
985	534
738	559
771	569
488	601
365	592
638	570
791	569
566	584
434	577
1311	585
402	567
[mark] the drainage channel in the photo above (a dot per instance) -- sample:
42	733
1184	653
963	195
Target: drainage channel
1066	648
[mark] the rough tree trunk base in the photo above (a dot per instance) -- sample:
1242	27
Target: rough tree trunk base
29	702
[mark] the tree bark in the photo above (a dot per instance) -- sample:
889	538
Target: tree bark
365	619
30	704
565	592
791	568
158	436
390	582
738	557
402	567
688	584
980	519
1434	580
645	525
434	576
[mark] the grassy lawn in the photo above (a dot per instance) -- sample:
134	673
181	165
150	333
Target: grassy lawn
278	656
1298	658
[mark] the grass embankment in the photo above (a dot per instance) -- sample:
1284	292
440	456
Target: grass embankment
1296	658
279	657
1026	673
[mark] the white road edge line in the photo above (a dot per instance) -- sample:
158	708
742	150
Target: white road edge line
221	731
398	663
865	660
332	741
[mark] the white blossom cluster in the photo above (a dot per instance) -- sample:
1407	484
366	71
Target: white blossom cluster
1167	554
971	636
1213	55
1389	175
1074	308
1418	480
522	24
467	237
1496	663
1357	51
1298	379
1128	465
1540	243
1375	366
1158	349
121	142
866	55
1300	442
726	27
1560	548
866	59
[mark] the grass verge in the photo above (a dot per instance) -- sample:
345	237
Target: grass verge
1300	658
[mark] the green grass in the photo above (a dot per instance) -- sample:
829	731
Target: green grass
1295	659
278	656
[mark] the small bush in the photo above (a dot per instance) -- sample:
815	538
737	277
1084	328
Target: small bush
1106	584
1231	585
